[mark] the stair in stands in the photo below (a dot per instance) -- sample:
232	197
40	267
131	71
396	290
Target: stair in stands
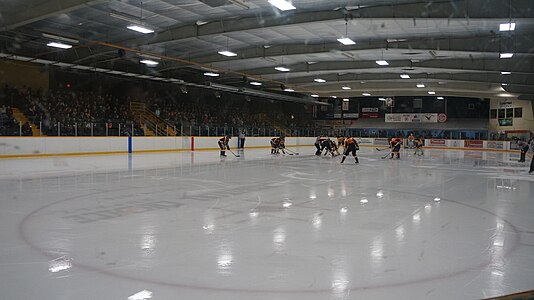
153	124
22	119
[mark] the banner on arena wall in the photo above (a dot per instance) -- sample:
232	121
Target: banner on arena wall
345	105
381	142
473	144
442	118
495	145
437	142
370	109
365	141
411	118
351	115
370	115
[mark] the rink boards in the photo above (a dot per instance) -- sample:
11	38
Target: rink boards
13	147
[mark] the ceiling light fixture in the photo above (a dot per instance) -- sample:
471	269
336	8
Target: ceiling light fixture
504	84
320	80
59	45
382	99
506	55
149	62
282	5
227	53
382	63
315	96
289	90
404	76
506	73
346	100
346	40
420	85
431	93
255	83
282	69
346	87
507	27
440	98
366	94
140	29
211	74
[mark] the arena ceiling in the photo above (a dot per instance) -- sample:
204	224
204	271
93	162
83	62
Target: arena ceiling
451	47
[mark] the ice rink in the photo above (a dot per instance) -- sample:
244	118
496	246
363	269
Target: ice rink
448	225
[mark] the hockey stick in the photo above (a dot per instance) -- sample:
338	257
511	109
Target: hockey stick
382	149
384	157
236	155
288	150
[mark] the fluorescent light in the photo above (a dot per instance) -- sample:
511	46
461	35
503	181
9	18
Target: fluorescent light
282	69
59	45
227	53
289	90
142	295
346	41
149	62
334	97
420	85
507	27
440	98
282	5
140	29
255	83
366	94
211	74
315	96
404	76
431	93
506	55
382	99
346	87
504	83
506	73
319	80
345	99
382	63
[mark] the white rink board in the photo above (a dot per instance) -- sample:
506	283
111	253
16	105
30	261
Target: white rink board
35	146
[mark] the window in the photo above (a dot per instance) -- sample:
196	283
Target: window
493	114
509	113
501	113
518	112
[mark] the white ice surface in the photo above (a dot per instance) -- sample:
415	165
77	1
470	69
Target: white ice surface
192	226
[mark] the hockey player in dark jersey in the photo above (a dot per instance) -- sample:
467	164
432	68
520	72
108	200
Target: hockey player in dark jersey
223	144
274	145
351	146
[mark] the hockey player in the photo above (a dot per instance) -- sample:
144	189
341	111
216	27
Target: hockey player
351	146
419	146
340	143
395	145
223	144
318	142
523	146
275	141
328	145
281	145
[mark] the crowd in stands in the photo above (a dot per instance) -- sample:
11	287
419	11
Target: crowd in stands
71	112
